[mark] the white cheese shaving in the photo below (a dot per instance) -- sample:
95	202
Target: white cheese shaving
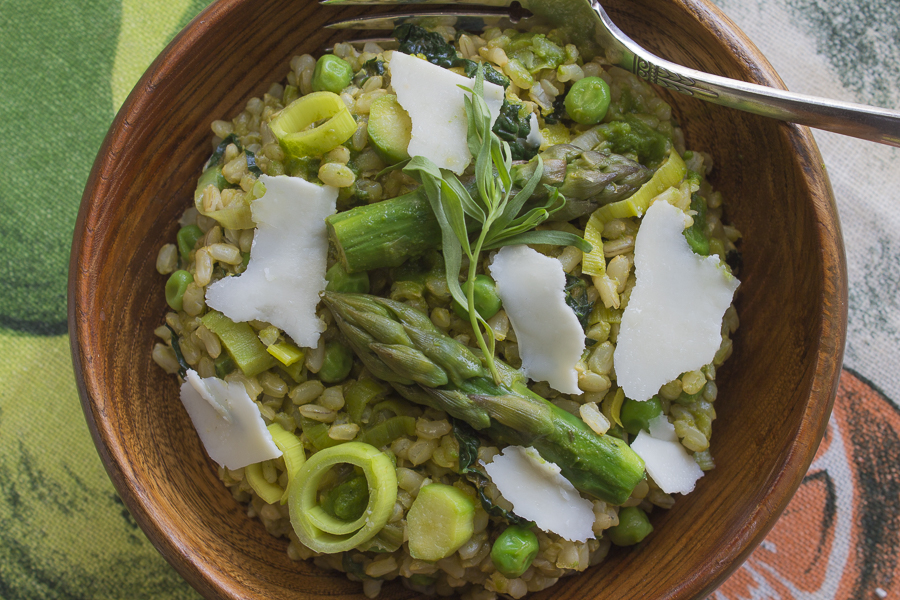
535	139
673	319
227	421
551	340
539	493
666	460
431	96
286	271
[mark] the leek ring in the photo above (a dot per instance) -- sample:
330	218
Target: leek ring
290	124
324	533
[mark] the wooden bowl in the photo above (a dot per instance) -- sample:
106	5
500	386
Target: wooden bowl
776	391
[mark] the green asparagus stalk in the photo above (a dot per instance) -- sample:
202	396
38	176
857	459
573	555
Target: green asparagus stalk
429	367
387	233
384	234
589	179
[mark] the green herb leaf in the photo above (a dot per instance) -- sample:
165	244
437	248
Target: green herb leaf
546	236
471	208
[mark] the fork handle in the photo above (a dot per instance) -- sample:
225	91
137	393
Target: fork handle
856	120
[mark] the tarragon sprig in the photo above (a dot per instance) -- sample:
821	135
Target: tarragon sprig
495	208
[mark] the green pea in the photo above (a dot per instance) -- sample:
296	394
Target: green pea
348	500
633	527
337	364
588	100
514	551
187	238
487	300
637	415
339	280
332	74
175	287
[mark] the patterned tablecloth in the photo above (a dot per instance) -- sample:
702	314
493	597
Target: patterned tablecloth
67	66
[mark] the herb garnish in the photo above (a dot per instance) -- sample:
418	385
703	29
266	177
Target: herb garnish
493	208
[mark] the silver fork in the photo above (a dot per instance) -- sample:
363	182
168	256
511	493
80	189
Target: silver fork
588	25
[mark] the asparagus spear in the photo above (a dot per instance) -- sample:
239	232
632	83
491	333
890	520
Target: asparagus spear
386	233
428	367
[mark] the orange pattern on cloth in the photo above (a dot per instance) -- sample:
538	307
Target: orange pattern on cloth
840	535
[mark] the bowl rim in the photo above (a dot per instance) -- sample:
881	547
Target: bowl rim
209	581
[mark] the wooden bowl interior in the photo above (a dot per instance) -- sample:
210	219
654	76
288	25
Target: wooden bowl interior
775	392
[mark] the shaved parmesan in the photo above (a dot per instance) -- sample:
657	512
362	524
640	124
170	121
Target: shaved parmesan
551	340
674	316
434	101
228	421
666	460
539	493
535	139
286	271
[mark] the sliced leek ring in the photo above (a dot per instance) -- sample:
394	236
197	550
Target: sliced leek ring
294	456
324	533
290	124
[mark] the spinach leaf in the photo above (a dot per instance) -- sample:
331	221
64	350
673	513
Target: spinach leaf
468	445
219	152
374	66
491	75
251	163
417	40
513	128
468	457
696	233
176	347
577	299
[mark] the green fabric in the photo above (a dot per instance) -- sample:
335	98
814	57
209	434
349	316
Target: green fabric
65	69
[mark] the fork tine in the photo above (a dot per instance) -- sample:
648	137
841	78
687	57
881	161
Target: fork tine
467	21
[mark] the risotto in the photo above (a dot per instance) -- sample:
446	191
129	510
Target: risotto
397	414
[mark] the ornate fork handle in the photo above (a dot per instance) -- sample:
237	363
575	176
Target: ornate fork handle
855	120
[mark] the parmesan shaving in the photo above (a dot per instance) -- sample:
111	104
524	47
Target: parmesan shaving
668	462
539	493
673	319
227	421
286	271
551	340
436	107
